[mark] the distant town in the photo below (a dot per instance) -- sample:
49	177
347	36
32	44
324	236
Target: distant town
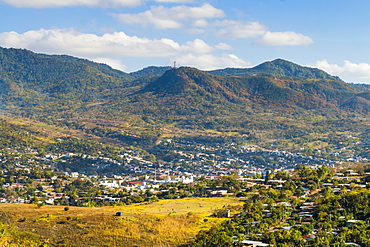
69	178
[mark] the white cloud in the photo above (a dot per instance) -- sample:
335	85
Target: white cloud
111	47
348	71
66	3
200	23
239	29
116	44
223	46
231	29
195	20
197	46
210	61
175	1
114	63
288	38
195	31
164	18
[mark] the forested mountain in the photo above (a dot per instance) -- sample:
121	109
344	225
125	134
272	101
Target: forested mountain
96	99
277	67
28	79
150	71
68	114
196	90
25	72
99	66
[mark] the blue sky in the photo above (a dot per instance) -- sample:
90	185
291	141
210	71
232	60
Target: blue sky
333	35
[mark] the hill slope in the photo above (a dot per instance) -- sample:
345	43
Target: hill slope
99	66
92	101
68	88
23	70
278	67
150	71
198	90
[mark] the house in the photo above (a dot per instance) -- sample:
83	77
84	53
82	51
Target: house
251	243
187	180
353	222
351	244
223	214
50	201
219	192
111	183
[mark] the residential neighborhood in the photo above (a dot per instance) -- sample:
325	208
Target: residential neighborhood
45	178
282	192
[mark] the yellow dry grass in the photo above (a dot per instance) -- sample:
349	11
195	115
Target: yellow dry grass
163	223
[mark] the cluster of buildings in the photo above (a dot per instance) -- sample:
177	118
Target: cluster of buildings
132	171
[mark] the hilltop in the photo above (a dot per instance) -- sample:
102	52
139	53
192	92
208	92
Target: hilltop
278	67
34	82
142	107
196	89
150	71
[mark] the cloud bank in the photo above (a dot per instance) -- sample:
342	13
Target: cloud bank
116	44
37	4
239	29
175	1
284	39
210	62
349	71
204	19
165	18
111	47
208	19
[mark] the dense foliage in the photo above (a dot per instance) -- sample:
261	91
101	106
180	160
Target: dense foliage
276	217
277	67
283	101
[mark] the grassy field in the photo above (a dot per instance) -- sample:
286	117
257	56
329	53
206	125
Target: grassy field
163	223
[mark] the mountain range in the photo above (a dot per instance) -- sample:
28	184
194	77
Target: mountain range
278	83
60	88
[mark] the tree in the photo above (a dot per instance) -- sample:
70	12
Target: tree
214	237
322	172
304	171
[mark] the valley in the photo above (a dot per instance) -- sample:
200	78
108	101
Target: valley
172	148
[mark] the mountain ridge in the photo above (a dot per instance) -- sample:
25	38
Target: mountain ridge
57	84
142	108
258	89
278	67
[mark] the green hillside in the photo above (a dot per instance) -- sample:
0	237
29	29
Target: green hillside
278	100
277	67
99	66
188	88
150	71
25	72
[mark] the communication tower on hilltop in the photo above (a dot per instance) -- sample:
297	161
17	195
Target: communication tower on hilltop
174	65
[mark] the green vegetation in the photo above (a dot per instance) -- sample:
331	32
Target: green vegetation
277	67
280	103
150	71
13	236
63	114
275	216
310	207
